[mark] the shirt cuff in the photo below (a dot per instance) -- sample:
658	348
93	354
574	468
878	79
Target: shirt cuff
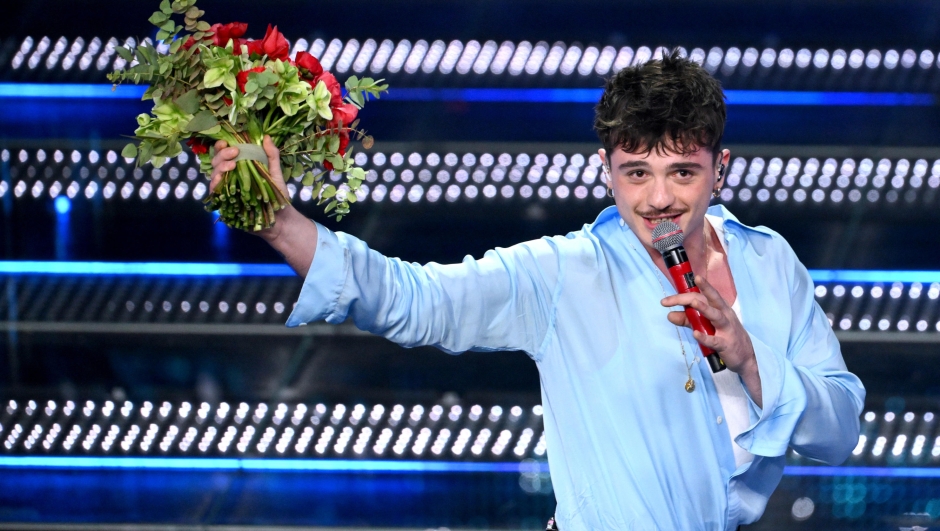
324	282
783	398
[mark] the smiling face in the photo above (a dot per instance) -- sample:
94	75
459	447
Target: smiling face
663	185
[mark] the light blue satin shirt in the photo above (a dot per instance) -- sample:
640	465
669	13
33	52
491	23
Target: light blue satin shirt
628	447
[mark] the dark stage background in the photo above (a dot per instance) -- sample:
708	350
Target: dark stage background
171	396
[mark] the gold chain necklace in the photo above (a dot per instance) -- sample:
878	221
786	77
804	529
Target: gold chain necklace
690	382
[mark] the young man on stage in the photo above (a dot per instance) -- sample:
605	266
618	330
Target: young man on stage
640	433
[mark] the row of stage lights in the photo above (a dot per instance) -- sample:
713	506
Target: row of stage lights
437	432
453	433
898	437
490	57
876	307
432	177
885	307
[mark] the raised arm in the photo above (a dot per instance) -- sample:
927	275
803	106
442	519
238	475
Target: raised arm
502	301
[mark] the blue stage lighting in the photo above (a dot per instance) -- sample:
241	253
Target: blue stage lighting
62	205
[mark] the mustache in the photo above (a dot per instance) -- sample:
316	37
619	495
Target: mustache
660	213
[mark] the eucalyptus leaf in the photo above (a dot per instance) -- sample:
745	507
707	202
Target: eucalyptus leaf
202	121
129	151
251	152
125	54
189	102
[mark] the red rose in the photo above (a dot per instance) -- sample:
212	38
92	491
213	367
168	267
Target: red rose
309	63
198	146
343	143
190	42
345	113
274	45
227	100
336	93
222	33
242	77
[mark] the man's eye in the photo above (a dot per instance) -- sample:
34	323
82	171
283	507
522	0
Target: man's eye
638	174
685	174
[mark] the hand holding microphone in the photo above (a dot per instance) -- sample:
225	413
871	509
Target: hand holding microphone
667	239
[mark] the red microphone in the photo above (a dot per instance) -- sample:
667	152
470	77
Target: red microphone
667	239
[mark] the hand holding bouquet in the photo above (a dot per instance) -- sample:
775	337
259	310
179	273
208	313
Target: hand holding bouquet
214	84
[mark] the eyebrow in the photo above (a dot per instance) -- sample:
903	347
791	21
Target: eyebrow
685	166
633	164
672	167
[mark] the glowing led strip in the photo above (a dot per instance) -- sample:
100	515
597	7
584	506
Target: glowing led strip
282	270
388	466
503	95
489	57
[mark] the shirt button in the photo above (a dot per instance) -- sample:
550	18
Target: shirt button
719	419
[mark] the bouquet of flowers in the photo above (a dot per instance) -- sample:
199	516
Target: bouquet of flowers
209	83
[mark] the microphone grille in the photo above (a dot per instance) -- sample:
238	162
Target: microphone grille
667	236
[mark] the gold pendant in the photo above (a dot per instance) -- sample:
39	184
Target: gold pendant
690	385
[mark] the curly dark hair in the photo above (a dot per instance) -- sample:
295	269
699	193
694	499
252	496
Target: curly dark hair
668	105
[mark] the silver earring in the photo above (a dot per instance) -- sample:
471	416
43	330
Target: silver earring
610	192
716	193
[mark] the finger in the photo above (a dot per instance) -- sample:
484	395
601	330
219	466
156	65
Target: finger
218	170
682	299
714	298
224	155
216	179
713	342
716	316
274	155
220	145
678	319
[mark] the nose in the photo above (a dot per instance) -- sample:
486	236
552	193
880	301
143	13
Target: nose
660	196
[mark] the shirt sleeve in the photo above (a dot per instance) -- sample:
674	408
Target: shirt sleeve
503	301
811	402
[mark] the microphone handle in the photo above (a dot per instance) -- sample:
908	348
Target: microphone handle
677	263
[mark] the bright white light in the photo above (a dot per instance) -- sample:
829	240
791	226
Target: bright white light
413	62
926	59
732	57
785	59
623	59
821	58
553	58
908	58
450	57
399	56
768	57
714	58
365	54
873	59
503	55
433	57
588	60
891	59
534	62
482	62
839	58
382	56
570	60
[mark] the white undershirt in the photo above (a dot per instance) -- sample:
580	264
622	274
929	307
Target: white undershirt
731	393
